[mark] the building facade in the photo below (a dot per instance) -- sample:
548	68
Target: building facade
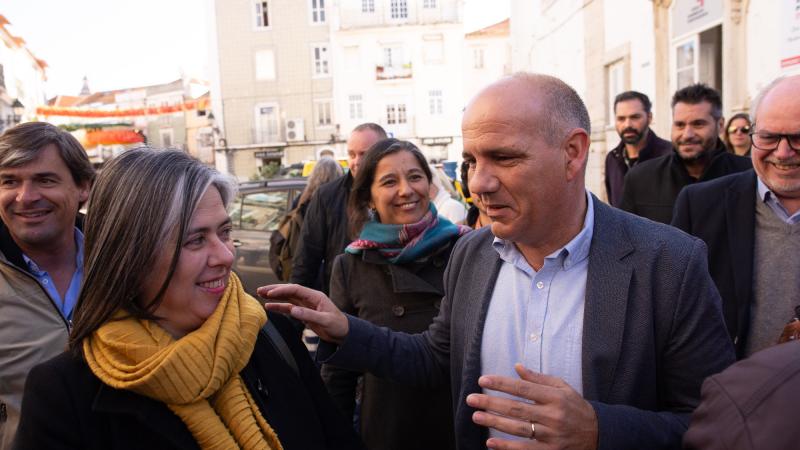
271	88
604	47
398	63
22	79
169	115
487	57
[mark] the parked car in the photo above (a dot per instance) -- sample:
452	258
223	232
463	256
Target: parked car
256	213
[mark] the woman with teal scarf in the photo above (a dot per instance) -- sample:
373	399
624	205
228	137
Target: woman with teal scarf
391	275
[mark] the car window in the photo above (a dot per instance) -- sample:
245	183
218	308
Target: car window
261	211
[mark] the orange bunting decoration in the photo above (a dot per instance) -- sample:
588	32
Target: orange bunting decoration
149	111
111	137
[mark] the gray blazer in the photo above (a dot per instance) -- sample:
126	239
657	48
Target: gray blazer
652	332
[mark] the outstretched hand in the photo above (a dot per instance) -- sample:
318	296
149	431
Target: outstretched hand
311	307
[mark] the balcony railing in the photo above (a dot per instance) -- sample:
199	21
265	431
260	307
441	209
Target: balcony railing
393	72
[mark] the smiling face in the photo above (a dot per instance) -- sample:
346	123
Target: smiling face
39	201
201	275
694	130
779	169
399	191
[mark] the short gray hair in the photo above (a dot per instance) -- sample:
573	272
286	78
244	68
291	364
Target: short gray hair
141	206
562	107
761	95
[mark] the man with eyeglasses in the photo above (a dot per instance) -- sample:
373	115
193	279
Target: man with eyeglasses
650	188
751	224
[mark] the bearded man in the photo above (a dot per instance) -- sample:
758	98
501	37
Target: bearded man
650	189
638	143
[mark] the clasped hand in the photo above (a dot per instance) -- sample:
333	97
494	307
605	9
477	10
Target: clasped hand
562	418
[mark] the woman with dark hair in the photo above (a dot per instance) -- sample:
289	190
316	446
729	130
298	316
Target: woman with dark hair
167	350
737	134
392	275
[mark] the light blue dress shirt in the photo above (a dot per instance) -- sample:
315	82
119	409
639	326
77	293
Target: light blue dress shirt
769	198
66	304
536	318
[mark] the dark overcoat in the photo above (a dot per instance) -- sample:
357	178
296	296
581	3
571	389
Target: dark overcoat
404	298
722	213
650	188
67	407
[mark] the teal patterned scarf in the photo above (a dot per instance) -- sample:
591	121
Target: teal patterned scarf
405	243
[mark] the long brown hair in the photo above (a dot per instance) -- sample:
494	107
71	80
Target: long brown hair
141	205
360	194
326	169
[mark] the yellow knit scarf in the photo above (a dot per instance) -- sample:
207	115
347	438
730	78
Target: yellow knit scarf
197	376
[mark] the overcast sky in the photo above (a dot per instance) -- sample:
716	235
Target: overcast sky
119	44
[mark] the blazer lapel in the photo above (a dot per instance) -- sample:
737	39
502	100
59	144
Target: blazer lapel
607	286
150	413
481	276
740	220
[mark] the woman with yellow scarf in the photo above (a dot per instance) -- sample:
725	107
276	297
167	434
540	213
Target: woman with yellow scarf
167	350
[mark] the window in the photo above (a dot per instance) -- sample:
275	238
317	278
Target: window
429	4
323	112
262	14
166	137
396	114
267	123
367	6
399	9
317	11
265	65
356	106
616	85
261	211
433	48
435	102
392	56
319	54
477	57
685	64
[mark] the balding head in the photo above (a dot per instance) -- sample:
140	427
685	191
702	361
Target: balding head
550	106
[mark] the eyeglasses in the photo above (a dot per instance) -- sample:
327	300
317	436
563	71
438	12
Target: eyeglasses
744	130
770	141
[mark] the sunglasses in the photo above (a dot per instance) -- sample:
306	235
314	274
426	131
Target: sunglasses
744	130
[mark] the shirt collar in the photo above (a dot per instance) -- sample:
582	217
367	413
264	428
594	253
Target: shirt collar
771	200
78	255
575	251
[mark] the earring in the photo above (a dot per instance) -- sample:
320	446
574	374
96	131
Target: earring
372	213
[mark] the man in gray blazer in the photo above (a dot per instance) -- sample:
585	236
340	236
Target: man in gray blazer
614	319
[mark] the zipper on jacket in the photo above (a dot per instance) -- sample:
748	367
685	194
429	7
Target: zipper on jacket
67	323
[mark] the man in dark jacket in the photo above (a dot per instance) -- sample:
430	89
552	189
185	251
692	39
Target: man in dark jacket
325	228
638	142
750	222
699	154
